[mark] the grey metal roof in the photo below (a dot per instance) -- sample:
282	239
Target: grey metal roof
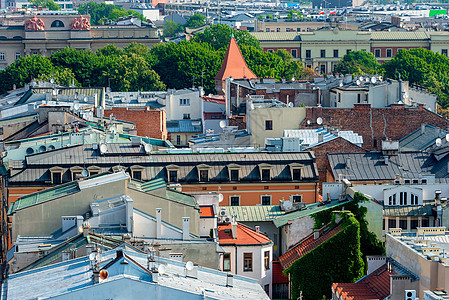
371	166
421	138
407	211
154	165
190	125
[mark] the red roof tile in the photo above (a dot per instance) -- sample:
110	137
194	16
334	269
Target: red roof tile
304	247
207	211
234	65
245	236
374	286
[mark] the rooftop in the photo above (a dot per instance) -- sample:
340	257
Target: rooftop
245	236
422	138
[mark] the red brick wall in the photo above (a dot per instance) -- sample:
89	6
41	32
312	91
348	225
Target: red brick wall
150	123
338	145
397	121
281	95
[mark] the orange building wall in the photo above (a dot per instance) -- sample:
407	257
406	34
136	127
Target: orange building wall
251	194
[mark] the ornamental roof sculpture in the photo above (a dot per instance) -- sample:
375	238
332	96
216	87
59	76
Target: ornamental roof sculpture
80	23
34	24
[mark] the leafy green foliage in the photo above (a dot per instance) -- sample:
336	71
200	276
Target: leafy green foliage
171	29
50	4
422	67
338	259
196	20
100	13
292	12
357	62
219	36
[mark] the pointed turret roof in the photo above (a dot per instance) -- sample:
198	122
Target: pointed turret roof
234	65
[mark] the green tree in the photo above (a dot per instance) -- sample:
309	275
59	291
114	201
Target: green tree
109	50
100	13
270	17
357	62
171	29
62	76
219	35
422	67
196	20
50	4
260	17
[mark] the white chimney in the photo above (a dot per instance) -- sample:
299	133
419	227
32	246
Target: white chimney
129	204
95	208
158	223
348	163
65	255
423	128
230	280
234	229
185	228
155	276
257	228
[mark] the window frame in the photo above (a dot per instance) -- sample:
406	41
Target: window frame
247	259
297	195
268	124
323	53
336	52
266	259
231	197
265	196
389	51
226	260
377	53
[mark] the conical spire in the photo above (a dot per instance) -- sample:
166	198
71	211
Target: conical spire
234	64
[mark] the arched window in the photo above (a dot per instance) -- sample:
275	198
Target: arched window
57	23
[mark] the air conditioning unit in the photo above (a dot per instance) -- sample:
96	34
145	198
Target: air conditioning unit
223	213
410	295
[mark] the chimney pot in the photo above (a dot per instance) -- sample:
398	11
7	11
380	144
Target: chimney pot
230	280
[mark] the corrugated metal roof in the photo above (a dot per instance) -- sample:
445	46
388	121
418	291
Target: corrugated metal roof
185	126
421	138
398	35
255	213
276	36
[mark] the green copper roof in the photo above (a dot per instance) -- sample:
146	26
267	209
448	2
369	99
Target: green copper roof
255	213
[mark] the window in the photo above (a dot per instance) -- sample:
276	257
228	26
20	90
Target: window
278	30
268	124
308	53
186	116
297	198
423	181
17	55
335	53
173	176
266	175
358	98
184	102
247	262
266	200
425	223
413	199
2	56
339	97
235	200
57	23
57	177
296	174
298	29
93	170
266	288
364	50
137	174
389	52
348	50
392	223
178	140
323	69
204	175
270	50
35	52
227	262
414	224
403	224
444	52
234	175
294	53
267	30
392	200
323	53
266	260
377	52
403	198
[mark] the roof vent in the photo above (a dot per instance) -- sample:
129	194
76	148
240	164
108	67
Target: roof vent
348	163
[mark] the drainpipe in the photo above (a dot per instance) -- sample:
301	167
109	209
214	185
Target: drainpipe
236	260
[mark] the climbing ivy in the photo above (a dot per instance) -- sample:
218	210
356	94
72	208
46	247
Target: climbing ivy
338	259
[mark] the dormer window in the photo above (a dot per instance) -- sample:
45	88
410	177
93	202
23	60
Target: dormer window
172	172
93	170
56	175
234	172
266	174
136	172
76	172
116	169
203	173
295	170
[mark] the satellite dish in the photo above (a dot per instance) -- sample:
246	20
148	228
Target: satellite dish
358	82
85	99
54	92
162	269
290	104
447	137
288	205
92	256
103	148
319	120
220	197
373	80
308	122
84	173
381	78
76	106
341	84
367	80
361	78
52	81
148	148
438	142
189	266
252	106
222	124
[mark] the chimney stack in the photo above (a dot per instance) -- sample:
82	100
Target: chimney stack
234	228
257	228
423	128
348	163
158	223
185	228
230	280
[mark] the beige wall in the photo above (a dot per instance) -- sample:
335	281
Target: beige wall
283	118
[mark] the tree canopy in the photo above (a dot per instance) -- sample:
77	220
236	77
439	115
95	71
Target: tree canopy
171	29
196	20
357	62
100	13
50	4
219	35
422	67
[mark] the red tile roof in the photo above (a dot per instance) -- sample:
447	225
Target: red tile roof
234	65
374	286
245	236
207	211
305	246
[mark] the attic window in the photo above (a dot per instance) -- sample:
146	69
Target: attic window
93	170
203	173
172	171
136	172
76	172
234	172
265	172
116	169
56	175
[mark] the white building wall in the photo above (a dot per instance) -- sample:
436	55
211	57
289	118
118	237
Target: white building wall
176	111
